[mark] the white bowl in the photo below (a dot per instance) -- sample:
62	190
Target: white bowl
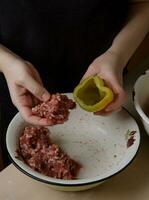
98	143
141	98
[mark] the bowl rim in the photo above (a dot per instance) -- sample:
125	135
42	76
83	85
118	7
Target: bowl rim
54	183
135	98
141	112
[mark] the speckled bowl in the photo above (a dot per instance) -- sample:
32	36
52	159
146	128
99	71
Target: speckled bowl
103	145
141	98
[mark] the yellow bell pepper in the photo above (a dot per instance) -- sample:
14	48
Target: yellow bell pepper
92	95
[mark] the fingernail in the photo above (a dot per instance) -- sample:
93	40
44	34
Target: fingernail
112	110
45	96
118	110
108	109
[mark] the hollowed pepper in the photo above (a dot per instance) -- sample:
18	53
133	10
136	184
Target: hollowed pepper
92	95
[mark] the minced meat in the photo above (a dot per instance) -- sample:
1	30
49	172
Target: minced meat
38	151
56	110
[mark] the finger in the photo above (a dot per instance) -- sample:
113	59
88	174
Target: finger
24	105
26	113
106	113
119	93
90	72
35	73
35	101
37	77
36	89
120	98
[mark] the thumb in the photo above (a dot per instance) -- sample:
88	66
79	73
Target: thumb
90	72
120	94
36	89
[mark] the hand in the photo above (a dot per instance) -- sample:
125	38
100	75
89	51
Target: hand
110	69
25	88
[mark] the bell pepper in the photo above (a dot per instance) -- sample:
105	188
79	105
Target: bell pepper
92	95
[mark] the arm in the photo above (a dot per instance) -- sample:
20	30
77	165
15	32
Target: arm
109	66
134	31
24	83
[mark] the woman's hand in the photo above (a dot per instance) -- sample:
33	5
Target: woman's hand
25	88
109	68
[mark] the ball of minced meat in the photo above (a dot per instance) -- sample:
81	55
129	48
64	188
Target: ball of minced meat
56	110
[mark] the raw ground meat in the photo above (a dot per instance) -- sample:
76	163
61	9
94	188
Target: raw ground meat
38	151
56	110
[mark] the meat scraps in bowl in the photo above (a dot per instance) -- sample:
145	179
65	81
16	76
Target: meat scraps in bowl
42	155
